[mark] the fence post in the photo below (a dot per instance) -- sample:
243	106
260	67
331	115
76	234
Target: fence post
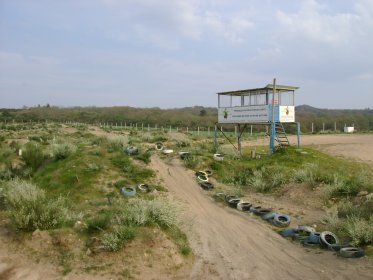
170	128
187	129
335	126
251	130
323	127
198	130
148	127
312	127
142	126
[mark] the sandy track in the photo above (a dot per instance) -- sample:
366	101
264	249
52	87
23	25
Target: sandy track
353	146
233	245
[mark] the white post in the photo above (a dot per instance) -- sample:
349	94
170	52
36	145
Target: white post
187	129
148	127
251	130
208	131
198	130
170	128
323	127
312	127
142	126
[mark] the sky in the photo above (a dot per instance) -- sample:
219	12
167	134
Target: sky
179	53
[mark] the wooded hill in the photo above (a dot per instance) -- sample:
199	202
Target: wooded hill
189	116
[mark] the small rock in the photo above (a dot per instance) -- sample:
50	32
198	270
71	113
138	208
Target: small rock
79	225
362	193
36	233
88	252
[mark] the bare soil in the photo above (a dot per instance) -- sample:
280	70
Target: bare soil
352	146
234	245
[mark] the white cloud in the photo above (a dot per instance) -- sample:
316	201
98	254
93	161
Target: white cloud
313	22
172	21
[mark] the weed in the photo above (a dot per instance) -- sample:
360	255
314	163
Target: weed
359	230
33	156
149	212
257	181
63	150
99	222
191	161
145	157
31	209
114	241
305	174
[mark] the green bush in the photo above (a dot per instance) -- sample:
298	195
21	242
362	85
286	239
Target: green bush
31	209
306	174
359	230
117	144
114	241
33	156
257	181
63	150
145	157
100	222
147	212
191	161
341	187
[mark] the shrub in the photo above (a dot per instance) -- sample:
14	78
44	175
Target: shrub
347	209
360	230
305	174
147	212
99	222
111	242
190	161
117	144
114	241
145	157
30	208
63	150
33	156
257	181
341	186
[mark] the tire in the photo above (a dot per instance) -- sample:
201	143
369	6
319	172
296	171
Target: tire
299	237
143	188
128	191
254	209
269	216
218	157
201	173
351	252
281	220
220	195
233	202
287	232
206	185
308	243
202	178
244	206
328	238
262	211
229	197
167	151
305	229
159	146
314	237
184	155
209	172
132	150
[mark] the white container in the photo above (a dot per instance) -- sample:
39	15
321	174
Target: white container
349	129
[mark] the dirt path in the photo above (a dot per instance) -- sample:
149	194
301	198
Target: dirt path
354	146
233	245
